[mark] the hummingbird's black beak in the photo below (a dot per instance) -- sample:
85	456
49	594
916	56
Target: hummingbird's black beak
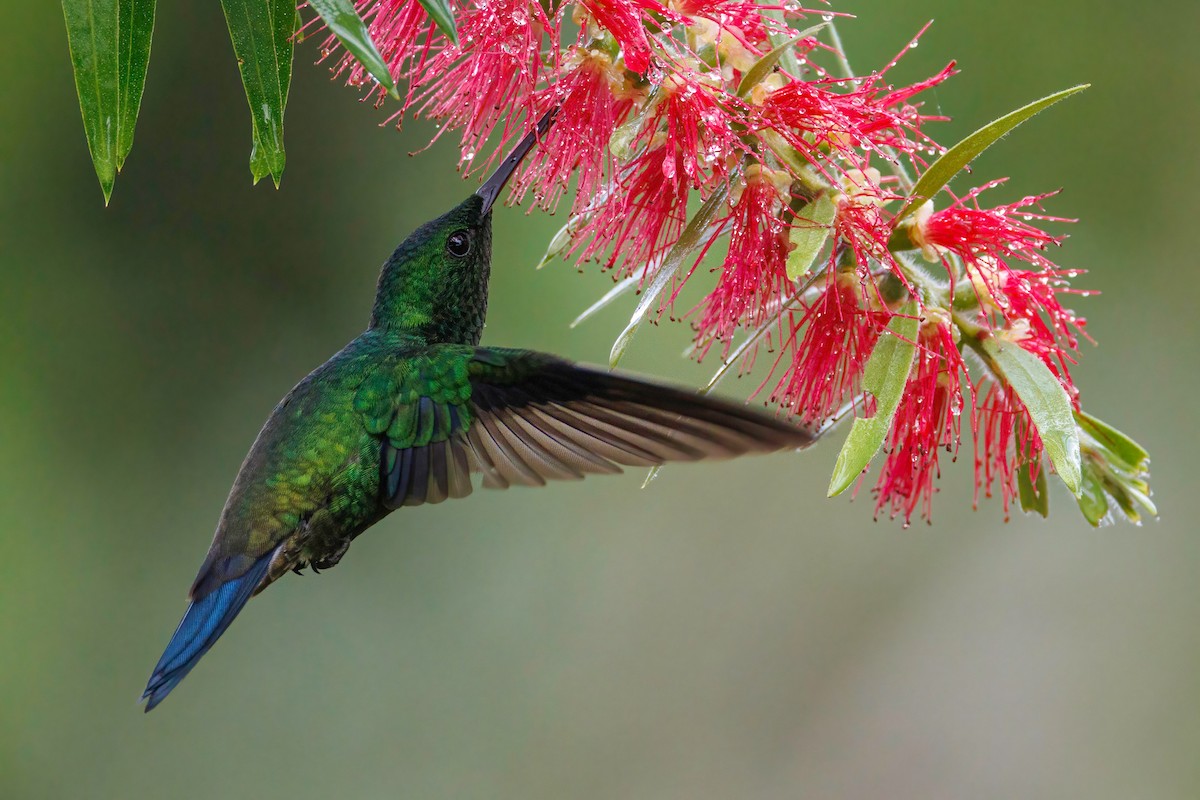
495	184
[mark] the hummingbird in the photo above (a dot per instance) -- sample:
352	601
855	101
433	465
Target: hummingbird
411	409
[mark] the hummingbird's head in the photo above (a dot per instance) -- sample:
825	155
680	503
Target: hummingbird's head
435	285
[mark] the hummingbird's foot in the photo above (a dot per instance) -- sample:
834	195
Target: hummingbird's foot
331	557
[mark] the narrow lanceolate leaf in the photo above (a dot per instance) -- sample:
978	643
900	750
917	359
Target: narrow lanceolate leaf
953	160
345	23
1033	495
1047	402
885	377
809	234
442	15
110	49
261	31
623	286
691	238
560	244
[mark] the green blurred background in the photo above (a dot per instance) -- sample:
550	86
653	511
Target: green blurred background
727	633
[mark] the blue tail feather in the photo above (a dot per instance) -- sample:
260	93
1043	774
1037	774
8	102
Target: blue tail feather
202	624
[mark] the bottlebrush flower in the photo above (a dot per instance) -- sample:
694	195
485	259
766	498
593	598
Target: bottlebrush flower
641	217
593	98
819	121
830	343
927	421
1006	441
740	20
507	47
626	21
696	116
988	241
861	225
754	274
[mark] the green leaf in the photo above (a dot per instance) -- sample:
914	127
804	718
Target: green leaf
810	233
1120	445
345	23
941	171
765	65
1034	496
110	50
1047	402
885	377
689	240
1129	497
442	15
1115	469
261	31
622	287
1092	500
560	243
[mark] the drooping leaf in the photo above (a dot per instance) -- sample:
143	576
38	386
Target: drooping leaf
1033	496
810	233
110	50
345	23
443	16
691	238
1115	469
1092	500
1047	402
885	377
261	31
953	160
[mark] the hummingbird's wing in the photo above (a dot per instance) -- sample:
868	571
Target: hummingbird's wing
524	418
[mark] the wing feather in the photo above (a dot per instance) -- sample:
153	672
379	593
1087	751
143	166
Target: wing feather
526	418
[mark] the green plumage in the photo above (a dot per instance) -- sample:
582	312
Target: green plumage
407	412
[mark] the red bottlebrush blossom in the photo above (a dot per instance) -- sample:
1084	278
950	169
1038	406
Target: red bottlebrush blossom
696	116
988	240
861	224
626	21
741	19
754	275
969	230
593	100
830	343
928	420
818	121
1005	441
494	75
1028	300
643	215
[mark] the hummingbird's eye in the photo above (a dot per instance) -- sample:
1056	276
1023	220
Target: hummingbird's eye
459	244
